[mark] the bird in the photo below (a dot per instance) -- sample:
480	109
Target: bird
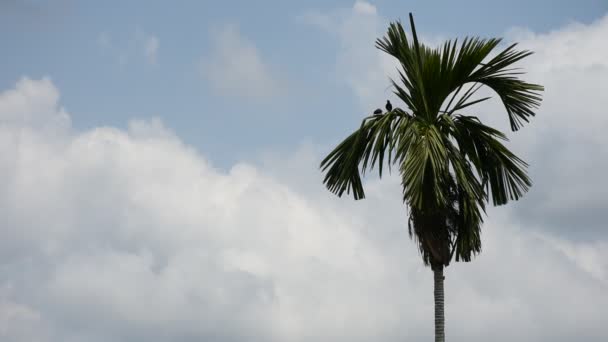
378	111
389	106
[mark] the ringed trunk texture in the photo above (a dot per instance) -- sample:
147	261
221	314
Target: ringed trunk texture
439	314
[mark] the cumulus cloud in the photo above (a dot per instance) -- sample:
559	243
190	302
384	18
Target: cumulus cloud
29	104
566	143
235	67
131	235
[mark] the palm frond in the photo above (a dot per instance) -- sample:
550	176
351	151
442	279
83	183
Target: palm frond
423	164
519	98
499	168
366	147
429	76
467	242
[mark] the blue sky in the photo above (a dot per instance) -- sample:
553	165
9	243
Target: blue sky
63	40
161	183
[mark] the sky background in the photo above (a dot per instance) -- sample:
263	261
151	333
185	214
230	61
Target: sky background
161	176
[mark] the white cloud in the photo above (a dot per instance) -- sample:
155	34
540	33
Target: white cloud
572	46
138	45
234	67
151	49
130	235
19	322
364	7
565	144
33	104
359	65
104	40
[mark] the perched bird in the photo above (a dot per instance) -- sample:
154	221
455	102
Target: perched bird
378	111
389	106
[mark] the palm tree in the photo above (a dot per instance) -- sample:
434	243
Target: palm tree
450	164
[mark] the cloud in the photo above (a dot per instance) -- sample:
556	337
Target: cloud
131	235
359	65
234	67
104	40
151	49
364	8
566	144
33	104
139	45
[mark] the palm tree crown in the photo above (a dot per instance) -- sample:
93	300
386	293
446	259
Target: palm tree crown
450	163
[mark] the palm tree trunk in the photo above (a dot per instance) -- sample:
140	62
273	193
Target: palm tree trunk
439	316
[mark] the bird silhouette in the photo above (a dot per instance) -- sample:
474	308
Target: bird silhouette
389	106
378	111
